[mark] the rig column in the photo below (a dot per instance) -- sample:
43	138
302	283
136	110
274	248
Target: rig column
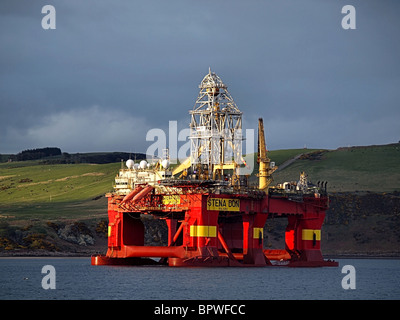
171	224
253	239
303	239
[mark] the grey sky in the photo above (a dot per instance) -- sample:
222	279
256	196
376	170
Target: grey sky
112	70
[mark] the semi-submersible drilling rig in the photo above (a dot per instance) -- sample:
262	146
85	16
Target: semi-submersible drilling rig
214	217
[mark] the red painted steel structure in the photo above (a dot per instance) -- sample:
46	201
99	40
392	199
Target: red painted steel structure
209	229
211	223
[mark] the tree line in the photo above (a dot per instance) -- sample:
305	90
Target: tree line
35	154
50	155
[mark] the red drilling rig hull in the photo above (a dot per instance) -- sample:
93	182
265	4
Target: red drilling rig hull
215	230
214	218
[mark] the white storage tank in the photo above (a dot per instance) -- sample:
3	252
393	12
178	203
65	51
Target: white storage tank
143	164
130	163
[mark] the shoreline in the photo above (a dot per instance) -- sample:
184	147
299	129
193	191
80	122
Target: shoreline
50	254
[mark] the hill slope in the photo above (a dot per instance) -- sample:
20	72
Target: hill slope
371	168
32	182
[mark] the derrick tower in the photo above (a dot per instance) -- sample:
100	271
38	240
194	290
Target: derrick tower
215	130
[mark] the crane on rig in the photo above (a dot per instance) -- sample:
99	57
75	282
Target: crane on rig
265	169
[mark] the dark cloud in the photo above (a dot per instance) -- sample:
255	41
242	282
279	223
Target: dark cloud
289	62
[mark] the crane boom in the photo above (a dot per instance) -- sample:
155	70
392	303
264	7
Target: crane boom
264	170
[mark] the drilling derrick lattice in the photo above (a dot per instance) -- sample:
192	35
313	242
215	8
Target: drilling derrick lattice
215	130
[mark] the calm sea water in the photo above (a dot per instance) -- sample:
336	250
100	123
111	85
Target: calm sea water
76	278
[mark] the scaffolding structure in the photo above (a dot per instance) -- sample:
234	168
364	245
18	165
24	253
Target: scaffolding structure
215	129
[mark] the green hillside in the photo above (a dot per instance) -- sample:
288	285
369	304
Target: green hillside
371	168
31	182
280	156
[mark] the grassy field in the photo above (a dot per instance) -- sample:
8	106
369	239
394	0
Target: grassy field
29	182
372	168
33	192
280	156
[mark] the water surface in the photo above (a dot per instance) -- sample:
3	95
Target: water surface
76	278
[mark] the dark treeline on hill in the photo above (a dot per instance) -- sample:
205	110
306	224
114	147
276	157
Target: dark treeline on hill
98	158
55	156
35	154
